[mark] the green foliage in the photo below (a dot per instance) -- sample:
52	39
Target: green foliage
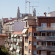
4	51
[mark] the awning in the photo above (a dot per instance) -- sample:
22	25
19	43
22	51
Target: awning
15	35
12	35
11	48
17	50
24	31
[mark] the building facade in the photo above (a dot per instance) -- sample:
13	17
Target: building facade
3	39
16	44
39	36
51	14
46	36
30	36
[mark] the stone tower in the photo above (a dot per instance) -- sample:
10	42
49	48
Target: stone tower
18	13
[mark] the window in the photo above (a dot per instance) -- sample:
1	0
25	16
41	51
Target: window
53	34
34	43
26	48
44	43
29	42
34	52
34	34
25	54
26	39
29	51
52	25
29	33
43	25
43	34
26	24
53	43
52	53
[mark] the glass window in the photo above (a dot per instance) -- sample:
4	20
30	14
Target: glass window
43	25
26	24
29	51
26	39
29	33
52	25
34	43
53	43
26	48
15	40
34	52
29	42
35	34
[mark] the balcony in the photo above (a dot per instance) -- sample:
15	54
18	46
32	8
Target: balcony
45	38
45	29
49	48
25	35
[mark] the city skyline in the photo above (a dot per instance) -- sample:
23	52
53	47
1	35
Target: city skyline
8	8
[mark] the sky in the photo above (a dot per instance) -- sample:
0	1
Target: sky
8	8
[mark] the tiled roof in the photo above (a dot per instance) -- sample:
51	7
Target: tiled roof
2	35
19	32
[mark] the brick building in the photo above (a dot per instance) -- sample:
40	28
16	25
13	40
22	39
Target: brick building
46	36
39	36
30	36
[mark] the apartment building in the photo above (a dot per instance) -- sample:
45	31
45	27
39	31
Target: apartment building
39	35
30	34
3	39
46	36
7	25
16	45
16	42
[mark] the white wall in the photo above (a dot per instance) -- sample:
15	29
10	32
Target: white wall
51	14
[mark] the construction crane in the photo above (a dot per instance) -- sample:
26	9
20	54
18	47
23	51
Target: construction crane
26	5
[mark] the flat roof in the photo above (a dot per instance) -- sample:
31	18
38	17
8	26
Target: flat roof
44	17
18	32
3	35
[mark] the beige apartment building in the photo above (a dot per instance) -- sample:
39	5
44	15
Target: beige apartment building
30	36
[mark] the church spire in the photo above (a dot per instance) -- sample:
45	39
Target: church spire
34	12
18	13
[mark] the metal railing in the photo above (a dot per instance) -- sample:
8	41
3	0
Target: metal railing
45	37
45	46
45	28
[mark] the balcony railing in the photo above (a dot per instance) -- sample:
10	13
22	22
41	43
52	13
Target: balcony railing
45	46
45	38
45	28
41	47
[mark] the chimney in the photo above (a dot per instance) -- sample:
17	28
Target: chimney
45	14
